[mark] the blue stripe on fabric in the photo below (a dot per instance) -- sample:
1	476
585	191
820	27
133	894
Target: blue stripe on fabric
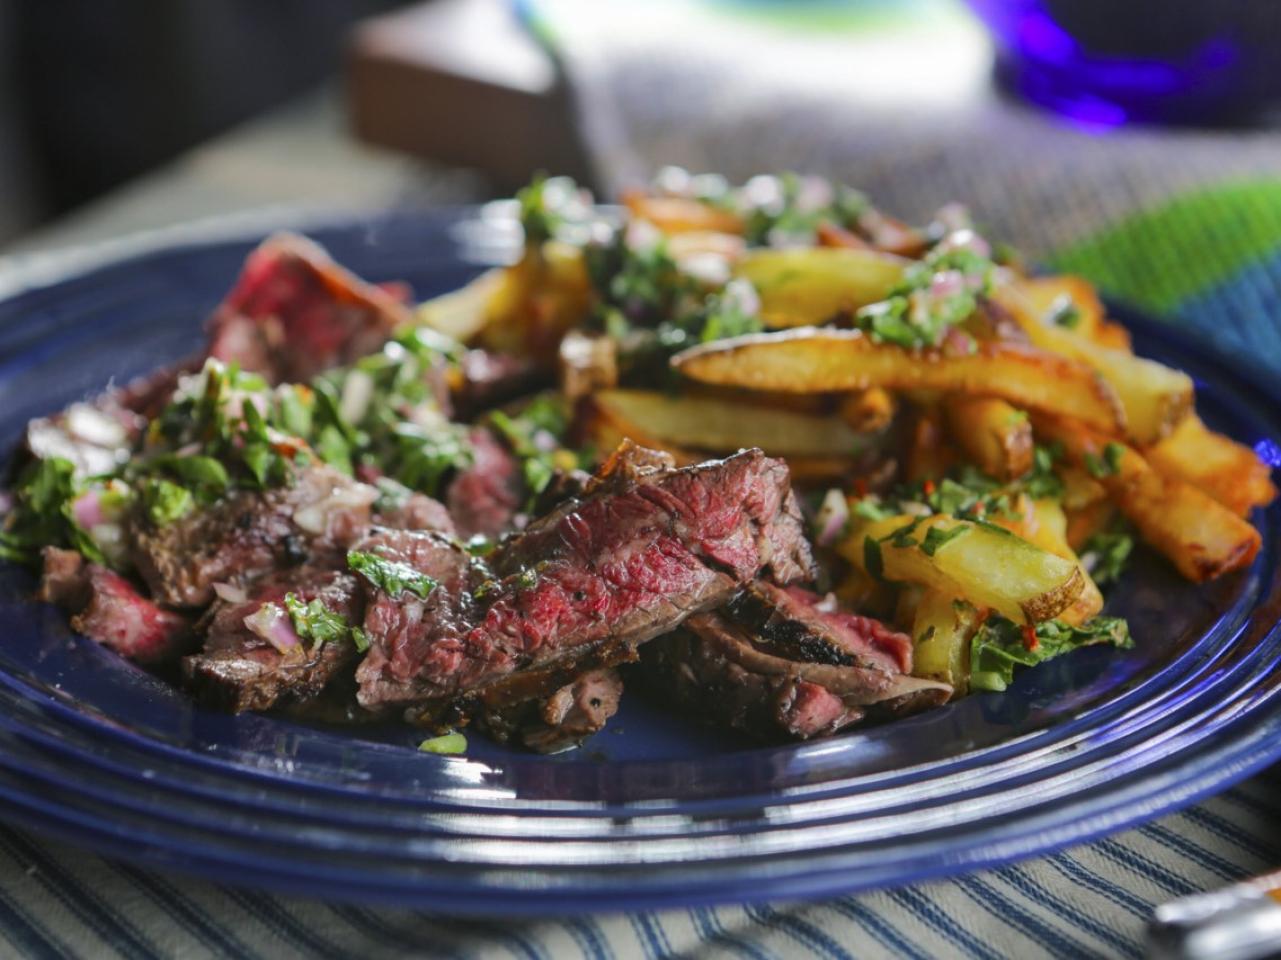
800	930
29	935
183	915
79	899
1015	876
644	936
1241	312
886	933
276	919
1224	869
1144	867
1233	834
660	934
595	947
1084	877
712	922
920	905
989	898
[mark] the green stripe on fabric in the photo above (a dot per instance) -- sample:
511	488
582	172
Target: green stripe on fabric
1162	256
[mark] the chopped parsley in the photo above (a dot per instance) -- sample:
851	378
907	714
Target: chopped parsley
1107	465
934	295
1106	555
1000	646
873	561
391	576
42	515
165	501
451	743
1065	313
936	538
536	436
316	622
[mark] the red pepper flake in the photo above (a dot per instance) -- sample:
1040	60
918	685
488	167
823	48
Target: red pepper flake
1030	641
860	486
929	488
980	508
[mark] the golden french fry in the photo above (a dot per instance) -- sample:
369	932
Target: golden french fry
1113	336
929	455
682	214
464	312
1085	521
1155	397
1079	488
1045	298
807	286
708	423
994	435
1047	529
982	563
587	362
868	411
1228	471
541	297
817	361
1201	537
941	633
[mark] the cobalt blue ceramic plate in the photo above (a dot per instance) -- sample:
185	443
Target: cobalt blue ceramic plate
653	811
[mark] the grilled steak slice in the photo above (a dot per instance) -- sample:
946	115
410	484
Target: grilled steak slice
294	313
489	379
620	566
417	512
797	624
563	720
485	496
108	608
715	670
239	670
252	533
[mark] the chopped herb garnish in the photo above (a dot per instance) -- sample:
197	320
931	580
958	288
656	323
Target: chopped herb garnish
316	622
935	295
999	646
165	501
1108	465
449	743
391	576
935	538
42	514
1065	313
872	559
1106	555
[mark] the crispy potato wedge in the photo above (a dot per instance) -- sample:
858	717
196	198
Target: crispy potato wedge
541	297
816	361
994	435
1228	471
1045	297
707	423
1086	521
1079	488
587	362
868	411
682	214
1200	536
985	565
1044	524
941	633
929	454
1114	336
808	286
464	313
1155	397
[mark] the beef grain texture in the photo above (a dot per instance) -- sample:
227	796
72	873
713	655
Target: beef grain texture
629	561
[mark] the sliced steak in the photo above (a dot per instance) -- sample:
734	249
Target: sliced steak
239	670
563	720
251	533
294	313
488	379
798	624
485	497
716	669
417	512
107	608
613	569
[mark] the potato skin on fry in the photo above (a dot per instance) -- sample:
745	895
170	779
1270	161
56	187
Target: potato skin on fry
804	286
811	360
1201	537
993	434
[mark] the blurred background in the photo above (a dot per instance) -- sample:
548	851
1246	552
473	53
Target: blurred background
143	113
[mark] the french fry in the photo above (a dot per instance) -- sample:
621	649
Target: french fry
1155	397
1044	524
1045	297
464	312
587	362
941	633
546	293
817	361
808	286
1114	336
708	423
983	564
929	453
1228	471
994	435
682	214
868	411
1201	537
1086	521
1079	488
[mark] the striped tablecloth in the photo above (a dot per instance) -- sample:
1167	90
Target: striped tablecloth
1185	224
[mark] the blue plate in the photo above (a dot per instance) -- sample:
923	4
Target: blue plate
654	811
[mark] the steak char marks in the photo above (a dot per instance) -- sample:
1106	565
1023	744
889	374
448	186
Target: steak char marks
581	588
786	663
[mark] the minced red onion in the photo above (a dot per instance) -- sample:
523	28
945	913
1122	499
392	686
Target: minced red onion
965	239
833	515
947	283
272	623
87	509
